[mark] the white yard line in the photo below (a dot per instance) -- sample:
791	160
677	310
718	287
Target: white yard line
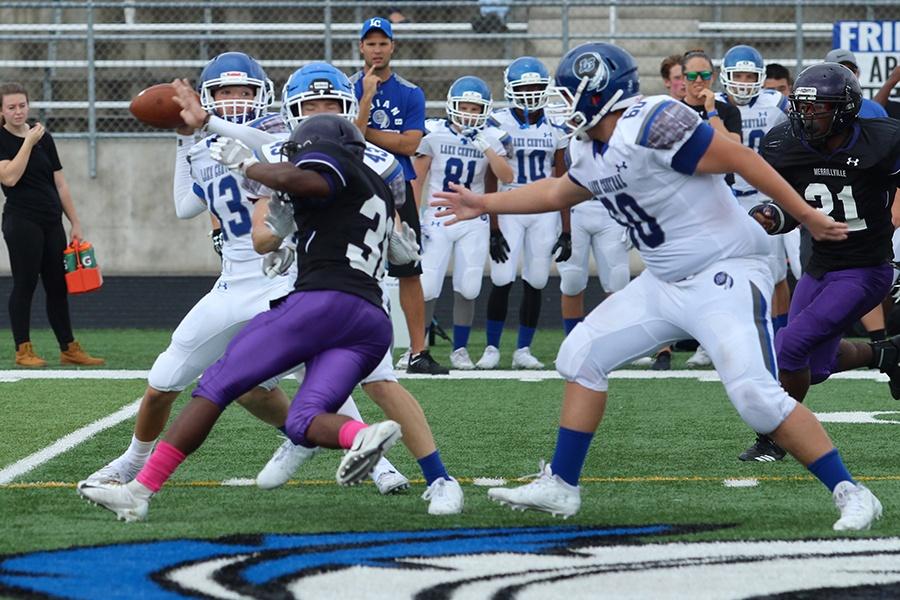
67	443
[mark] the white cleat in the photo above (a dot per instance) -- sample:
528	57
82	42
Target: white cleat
445	497
858	505
119	471
391	482
547	493
130	502
368	447
699	359
644	361
403	361
283	464
459	359
490	359
524	359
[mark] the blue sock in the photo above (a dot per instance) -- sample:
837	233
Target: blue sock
571	450
461	336
526	335
432	467
779	322
569	324
830	469
494	331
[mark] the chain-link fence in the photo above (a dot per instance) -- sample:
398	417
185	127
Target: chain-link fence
84	61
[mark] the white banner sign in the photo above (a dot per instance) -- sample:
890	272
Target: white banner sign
876	45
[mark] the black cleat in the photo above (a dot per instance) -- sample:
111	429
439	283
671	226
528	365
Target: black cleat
663	362
423	364
887	359
763	450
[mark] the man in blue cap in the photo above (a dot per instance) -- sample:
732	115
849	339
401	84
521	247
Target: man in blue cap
392	116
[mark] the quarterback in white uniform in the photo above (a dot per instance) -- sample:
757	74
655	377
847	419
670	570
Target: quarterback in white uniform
319	88
536	151
743	74
462	149
706	274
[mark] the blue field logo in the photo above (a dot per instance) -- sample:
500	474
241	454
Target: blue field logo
520	562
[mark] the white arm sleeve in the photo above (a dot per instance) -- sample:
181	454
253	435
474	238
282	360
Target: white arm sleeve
255	138
187	204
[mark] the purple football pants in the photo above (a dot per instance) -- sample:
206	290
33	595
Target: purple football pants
821	310
340	337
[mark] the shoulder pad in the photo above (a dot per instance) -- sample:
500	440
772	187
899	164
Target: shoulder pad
665	124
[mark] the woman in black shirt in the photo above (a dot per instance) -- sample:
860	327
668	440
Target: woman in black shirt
36	197
699	77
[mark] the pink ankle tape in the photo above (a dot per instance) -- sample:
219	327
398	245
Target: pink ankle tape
348	431
163	462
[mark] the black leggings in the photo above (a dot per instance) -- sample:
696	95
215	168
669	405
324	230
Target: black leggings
36	249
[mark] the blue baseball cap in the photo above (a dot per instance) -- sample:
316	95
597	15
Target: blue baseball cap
379	23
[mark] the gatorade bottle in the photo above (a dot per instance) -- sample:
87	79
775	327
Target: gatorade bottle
69	259
86	255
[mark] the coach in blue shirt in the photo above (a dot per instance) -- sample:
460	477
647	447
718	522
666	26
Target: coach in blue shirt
868	109
392	116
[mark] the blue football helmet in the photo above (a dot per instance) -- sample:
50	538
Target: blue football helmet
594	79
317	81
525	72
819	91
743	59
235	68
475	91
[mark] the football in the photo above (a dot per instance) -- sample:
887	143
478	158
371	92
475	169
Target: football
155	107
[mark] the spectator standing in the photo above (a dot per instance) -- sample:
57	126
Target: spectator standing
673	76
778	78
868	109
883	97
392	116
36	197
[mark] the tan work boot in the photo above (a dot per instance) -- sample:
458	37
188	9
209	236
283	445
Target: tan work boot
75	355
25	356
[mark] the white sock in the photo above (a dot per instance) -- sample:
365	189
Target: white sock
138	452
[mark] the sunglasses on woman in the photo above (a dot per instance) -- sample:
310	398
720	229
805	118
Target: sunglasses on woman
693	75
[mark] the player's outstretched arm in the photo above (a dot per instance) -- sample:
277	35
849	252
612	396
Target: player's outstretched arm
724	156
552	193
285	177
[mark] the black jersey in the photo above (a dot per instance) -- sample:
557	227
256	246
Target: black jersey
343	240
855	185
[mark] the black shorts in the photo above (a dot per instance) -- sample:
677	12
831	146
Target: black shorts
409	214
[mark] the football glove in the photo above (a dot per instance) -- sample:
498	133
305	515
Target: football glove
403	248
769	215
234	154
278	262
499	247
476	138
218	238
562	250
280	219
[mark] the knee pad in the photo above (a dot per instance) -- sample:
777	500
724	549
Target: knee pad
537	281
762	404
572	281
617	278
470	286
172	371
575	362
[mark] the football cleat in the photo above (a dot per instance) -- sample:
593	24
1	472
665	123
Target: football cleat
119	471
524	359
858	505
489	359
423	364
445	497
403	361
391	482
763	450
547	493
459	359
886	352
129	502
663	362
283	464
368	447
699	359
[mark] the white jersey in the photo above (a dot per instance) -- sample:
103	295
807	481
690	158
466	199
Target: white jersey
533	146
454	159
757	117
226	198
679	222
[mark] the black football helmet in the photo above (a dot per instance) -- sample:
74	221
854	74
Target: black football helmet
825	83
327	128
